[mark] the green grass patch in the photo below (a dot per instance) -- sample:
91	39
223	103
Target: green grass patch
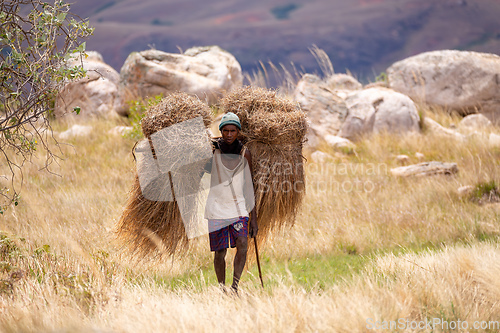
312	272
137	111
486	191
317	272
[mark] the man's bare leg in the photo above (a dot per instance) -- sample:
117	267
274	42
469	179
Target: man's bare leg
220	266
239	260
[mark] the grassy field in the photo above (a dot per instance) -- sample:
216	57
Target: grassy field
366	247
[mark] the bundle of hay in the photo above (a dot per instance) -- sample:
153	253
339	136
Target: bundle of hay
156	227
274	130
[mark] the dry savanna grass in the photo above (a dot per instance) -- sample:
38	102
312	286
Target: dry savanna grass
413	249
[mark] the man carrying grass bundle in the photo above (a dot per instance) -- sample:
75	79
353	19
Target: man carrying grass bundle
230	200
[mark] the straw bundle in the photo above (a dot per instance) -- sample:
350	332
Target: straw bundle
273	129
149	227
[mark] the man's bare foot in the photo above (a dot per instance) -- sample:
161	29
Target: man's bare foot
234	290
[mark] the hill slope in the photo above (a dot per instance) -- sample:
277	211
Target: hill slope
364	36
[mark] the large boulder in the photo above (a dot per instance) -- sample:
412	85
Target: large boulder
95	94
379	110
468	82
325	109
351	113
203	71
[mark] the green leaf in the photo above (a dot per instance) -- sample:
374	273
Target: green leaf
77	109
81	47
61	16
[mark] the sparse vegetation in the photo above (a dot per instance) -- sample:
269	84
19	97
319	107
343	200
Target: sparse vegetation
486	192
136	113
382	77
286	78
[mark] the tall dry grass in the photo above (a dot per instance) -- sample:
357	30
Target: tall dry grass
60	269
284	78
455	284
354	204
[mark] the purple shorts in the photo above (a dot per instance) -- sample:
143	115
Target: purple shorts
222	238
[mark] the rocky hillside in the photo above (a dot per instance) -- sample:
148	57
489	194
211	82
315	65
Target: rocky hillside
364	36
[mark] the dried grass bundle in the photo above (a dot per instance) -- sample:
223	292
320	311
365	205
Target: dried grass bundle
173	109
149	227
273	129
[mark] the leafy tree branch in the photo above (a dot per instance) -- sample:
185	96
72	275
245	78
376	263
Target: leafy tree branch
36	41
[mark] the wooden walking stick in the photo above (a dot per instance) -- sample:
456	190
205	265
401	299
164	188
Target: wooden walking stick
258	261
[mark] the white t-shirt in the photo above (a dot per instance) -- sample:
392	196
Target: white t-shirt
222	202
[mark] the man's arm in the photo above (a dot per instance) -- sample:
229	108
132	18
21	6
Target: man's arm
254	228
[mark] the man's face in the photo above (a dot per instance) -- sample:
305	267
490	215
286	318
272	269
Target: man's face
230	133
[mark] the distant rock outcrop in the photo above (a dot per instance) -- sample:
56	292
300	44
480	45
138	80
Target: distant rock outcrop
203	71
468	82
95	94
